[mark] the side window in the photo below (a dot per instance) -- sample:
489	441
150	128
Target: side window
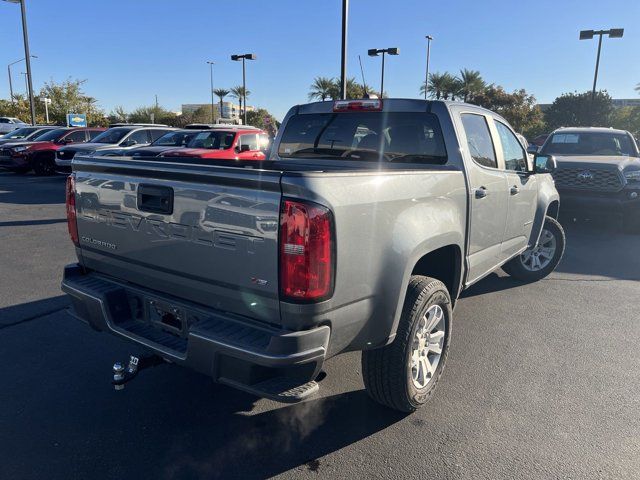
479	139
514	156
4	120
76	137
249	139
156	134
93	134
140	137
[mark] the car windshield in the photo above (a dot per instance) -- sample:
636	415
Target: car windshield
589	143
20	133
366	136
215	140
51	135
113	135
175	139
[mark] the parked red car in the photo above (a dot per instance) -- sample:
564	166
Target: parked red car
39	155
226	142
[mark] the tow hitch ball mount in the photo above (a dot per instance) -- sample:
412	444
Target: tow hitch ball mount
122	375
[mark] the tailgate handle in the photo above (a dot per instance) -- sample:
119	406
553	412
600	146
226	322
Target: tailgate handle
155	199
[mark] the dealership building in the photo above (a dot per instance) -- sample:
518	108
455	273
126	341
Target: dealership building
229	109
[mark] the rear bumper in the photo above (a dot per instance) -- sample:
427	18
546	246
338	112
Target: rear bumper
229	348
579	201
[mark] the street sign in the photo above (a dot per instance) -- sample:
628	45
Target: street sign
76	120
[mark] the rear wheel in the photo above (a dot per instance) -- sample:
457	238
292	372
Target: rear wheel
538	262
402	375
44	165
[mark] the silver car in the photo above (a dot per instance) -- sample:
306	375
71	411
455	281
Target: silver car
9	124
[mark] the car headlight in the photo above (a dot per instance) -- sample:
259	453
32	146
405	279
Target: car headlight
632	176
20	149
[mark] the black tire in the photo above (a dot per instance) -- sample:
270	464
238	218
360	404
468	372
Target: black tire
516	267
44	165
387	371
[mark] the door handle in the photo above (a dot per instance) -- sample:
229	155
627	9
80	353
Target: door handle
514	190
481	192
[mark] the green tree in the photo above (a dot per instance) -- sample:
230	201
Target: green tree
239	92
518	108
261	118
627	118
322	89
69	97
66	97
471	84
441	86
160	115
221	93
579	110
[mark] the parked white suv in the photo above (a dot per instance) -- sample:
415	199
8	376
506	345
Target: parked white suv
9	124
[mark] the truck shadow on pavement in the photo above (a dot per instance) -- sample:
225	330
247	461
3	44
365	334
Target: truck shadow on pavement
169	423
594	249
32	190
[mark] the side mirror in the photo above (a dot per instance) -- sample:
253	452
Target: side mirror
544	164
244	148
130	143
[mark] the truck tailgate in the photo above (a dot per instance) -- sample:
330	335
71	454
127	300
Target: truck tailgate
207	234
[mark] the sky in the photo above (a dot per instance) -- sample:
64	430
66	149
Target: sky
131	50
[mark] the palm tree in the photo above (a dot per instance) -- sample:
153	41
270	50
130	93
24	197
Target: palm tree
321	88
221	93
439	85
471	83
239	92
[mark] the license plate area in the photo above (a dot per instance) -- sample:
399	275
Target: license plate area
168	317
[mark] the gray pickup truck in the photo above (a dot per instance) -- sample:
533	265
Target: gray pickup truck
358	234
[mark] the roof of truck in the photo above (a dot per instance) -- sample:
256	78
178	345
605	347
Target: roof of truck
590	129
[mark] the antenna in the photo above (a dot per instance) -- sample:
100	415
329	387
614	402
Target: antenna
364	83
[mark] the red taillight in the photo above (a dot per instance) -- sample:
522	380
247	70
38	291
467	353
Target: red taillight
306	251
72	221
371	105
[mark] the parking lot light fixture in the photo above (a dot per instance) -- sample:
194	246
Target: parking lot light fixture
211	64
27	57
11	80
588	35
374	52
236	58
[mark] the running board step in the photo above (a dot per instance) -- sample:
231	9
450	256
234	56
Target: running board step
280	389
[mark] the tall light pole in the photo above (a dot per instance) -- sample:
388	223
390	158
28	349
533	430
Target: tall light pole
426	75
211	64
10	79
27	57
343	51
588	35
374	52
235	58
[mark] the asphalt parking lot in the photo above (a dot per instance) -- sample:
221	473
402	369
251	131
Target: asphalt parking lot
543	381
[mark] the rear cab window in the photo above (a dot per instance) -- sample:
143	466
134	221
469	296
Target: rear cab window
412	137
